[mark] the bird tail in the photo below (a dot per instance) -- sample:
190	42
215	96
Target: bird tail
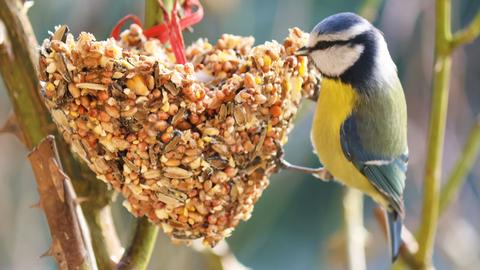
394	233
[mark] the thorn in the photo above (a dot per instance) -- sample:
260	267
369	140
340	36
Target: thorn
38	205
48	253
11	125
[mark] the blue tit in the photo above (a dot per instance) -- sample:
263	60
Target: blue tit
359	129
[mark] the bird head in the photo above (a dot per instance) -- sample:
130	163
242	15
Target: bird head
348	47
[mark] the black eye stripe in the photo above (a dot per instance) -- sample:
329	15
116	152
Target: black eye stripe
325	44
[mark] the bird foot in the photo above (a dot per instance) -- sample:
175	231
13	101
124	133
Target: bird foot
320	172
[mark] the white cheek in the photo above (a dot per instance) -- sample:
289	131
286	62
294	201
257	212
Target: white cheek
336	60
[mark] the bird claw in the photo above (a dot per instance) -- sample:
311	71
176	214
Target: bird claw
280	162
279	155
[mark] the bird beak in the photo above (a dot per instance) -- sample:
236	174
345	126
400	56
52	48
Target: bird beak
302	51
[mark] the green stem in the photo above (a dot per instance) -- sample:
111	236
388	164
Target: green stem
138	254
153	12
467	35
433	200
464	164
18	60
369	9
438	117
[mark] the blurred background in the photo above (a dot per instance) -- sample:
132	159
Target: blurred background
297	224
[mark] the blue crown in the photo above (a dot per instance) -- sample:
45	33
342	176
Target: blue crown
337	23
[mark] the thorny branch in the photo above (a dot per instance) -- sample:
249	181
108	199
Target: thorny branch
70	237
18	69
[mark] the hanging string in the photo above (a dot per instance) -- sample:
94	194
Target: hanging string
172	27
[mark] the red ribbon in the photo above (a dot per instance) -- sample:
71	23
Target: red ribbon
171	29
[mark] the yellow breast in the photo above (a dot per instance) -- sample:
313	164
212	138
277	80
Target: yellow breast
334	106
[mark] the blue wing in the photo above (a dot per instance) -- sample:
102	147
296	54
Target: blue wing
385	171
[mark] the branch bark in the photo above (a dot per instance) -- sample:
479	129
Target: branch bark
70	237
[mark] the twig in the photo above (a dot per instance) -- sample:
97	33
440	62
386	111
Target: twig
436	135
467	35
137	256
355	232
464	164
18	61
409	245
70	243
444	43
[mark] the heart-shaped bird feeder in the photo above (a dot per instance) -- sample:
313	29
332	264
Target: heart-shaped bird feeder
189	146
